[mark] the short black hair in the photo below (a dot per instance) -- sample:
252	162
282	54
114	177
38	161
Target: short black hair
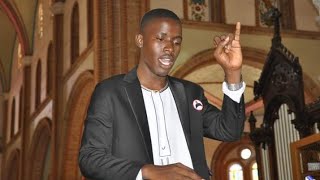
157	13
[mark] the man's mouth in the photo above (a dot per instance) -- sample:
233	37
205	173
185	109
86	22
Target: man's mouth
166	60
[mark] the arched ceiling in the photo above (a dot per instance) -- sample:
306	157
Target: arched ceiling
16	25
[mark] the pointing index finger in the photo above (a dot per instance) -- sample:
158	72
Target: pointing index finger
237	32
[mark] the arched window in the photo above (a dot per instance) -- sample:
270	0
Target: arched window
235	172
21	101
50	60
27	90
235	161
75	33
254	170
38	84
13	117
90	20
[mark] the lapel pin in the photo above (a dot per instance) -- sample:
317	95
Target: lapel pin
197	105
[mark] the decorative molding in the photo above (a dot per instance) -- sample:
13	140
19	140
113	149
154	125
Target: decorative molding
57	8
199	10
251	30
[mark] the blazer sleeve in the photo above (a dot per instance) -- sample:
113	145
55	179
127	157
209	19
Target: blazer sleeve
226	124
95	156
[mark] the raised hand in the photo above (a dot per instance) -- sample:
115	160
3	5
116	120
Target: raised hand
172	172
229	55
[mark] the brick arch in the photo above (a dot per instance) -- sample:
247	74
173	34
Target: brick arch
38	149
12	170
75	115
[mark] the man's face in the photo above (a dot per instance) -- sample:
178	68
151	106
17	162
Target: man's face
160	46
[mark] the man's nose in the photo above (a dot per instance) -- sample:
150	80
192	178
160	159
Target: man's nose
168	48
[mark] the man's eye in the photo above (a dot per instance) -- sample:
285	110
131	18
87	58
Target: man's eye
159	38
177	43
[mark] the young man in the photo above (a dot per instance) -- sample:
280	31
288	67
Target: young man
148	125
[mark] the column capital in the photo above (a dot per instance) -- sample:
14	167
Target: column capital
57	8
27	60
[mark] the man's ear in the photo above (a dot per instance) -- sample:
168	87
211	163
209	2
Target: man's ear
139	40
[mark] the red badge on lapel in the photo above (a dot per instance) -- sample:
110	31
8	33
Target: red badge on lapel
197	105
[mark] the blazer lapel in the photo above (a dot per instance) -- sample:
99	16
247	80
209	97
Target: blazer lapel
135	97
180	98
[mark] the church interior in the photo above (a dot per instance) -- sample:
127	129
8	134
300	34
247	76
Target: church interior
54	52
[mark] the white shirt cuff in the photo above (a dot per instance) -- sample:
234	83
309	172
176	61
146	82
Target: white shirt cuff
139	176
234	95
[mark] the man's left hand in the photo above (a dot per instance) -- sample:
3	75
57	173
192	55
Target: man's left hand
229	55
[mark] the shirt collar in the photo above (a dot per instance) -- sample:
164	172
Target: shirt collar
155	91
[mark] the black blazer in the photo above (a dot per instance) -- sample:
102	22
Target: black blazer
116	140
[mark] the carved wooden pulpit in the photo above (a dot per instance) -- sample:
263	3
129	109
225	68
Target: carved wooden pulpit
285	119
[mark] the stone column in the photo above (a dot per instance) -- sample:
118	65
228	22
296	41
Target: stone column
26	109
116	23
57	9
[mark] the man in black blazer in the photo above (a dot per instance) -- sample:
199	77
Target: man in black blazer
122	129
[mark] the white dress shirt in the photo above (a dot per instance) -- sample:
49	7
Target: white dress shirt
168	140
